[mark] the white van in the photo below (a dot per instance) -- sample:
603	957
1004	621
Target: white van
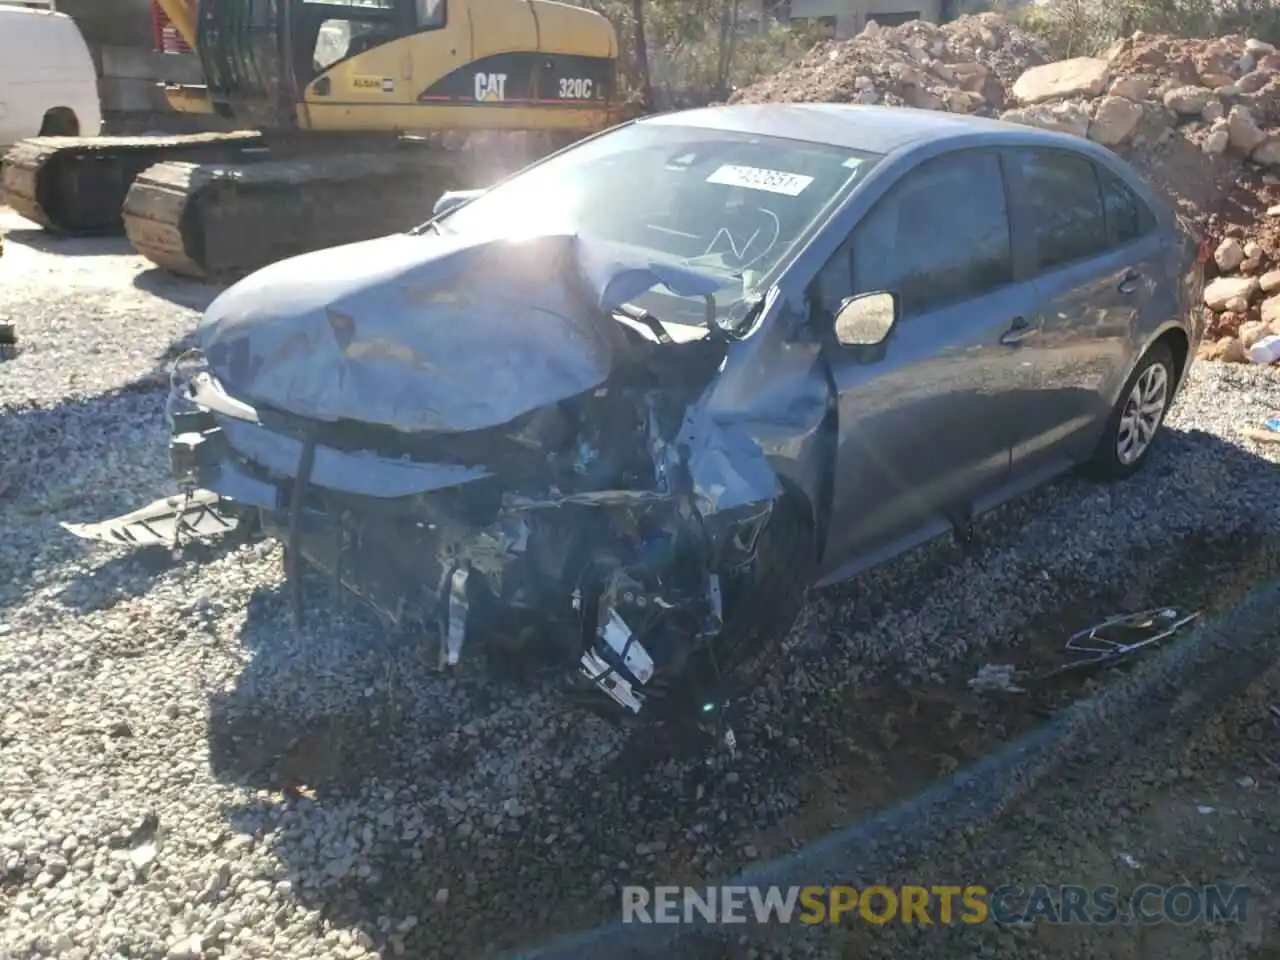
48	85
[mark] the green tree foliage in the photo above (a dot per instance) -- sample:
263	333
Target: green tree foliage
698	51
1075	28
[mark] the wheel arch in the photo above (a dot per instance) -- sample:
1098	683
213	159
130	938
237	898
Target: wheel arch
1176	337
60	122
1180	345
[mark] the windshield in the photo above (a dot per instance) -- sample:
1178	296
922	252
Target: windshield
729	205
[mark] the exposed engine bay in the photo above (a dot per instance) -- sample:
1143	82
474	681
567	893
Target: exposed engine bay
577	513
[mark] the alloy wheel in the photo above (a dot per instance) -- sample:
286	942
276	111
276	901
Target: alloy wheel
1143	411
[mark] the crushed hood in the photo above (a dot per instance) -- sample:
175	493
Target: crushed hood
431	332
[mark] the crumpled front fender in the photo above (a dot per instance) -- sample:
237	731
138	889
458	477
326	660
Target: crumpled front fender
757	429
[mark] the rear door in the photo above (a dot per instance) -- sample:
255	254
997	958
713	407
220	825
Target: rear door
1097	259
925	429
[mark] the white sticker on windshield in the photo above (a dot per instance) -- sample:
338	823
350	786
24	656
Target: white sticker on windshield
853	163
755	178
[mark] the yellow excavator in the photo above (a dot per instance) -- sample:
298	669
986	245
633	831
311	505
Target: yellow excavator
345	105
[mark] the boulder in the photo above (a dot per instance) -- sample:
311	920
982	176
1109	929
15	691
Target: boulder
1067	117
1246	135
1114	120
1268	154
1216	143
1131	88
1227	350
1224	289
1270	310
1253	82
964	101
1229	255
1187	101
1077	77
971	76
1251	331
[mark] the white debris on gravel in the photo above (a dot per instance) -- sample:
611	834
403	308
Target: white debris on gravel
141	700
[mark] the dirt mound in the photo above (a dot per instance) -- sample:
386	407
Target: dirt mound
1199	118
1222	97
965	66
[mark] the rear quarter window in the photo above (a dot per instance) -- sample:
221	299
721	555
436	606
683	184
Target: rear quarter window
1127	216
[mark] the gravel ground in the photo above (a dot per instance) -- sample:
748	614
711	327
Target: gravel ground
180	776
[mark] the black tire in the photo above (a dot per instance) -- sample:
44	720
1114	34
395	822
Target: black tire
60	122
771	604
759	614
1105	464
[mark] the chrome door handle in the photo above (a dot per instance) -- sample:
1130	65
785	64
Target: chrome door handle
1018	330
1129	281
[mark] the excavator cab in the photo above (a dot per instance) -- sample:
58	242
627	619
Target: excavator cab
383	65
259	55
349	78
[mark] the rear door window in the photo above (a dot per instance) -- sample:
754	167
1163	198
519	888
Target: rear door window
1066	211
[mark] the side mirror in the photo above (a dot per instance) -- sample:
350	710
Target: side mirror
451	199
867	319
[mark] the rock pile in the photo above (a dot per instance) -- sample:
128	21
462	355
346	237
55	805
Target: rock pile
1154	98
1244	299
966	66
1199	118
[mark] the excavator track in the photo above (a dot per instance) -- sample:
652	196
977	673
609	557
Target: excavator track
221	222
78	185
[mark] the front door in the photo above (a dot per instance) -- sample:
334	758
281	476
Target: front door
925	429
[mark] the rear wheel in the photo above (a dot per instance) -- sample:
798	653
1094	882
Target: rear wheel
1138	415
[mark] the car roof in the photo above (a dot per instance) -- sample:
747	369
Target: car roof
873	129
48	13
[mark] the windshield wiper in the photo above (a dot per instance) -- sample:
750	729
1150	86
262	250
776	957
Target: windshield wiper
734	328
640	315
432	226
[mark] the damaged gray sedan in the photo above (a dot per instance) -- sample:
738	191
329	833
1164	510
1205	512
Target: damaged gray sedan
621	410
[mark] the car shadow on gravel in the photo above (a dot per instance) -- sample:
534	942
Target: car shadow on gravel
465	797
131	573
